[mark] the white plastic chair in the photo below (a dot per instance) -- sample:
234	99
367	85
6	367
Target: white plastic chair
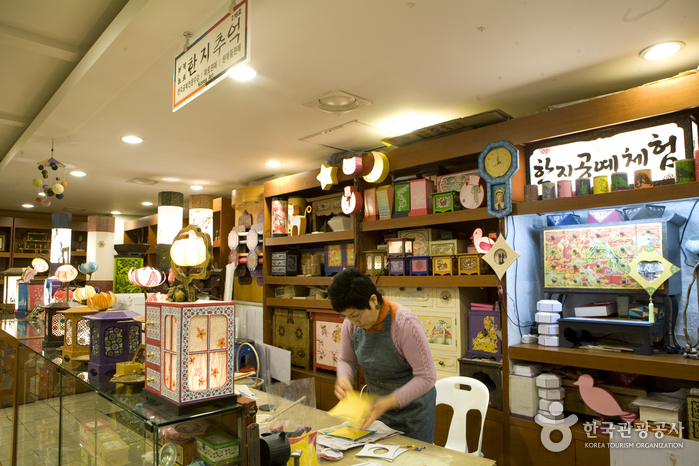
462	401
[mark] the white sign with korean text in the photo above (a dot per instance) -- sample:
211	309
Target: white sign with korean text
655	148
211	56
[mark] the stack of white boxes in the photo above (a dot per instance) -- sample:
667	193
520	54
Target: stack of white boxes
524	396
548	311
550	391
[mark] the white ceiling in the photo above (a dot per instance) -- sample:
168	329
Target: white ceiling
84	73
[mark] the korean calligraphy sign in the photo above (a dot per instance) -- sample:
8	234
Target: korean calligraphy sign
654	143
211	56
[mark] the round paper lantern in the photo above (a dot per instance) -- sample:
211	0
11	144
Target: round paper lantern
155	297
57	188
188	252
82	294
146	277
60	295
37	182
88	268
101	301
64	184
46	203
66	273
40	265
60	196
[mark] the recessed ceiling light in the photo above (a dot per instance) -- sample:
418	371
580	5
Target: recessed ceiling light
196	187
28	206
115	212
242	73
273	163
77	173
660	51
132	139
146	203
172	180
337	102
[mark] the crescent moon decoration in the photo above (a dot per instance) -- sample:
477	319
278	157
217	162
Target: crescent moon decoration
380	170
327	176
352	166
352	201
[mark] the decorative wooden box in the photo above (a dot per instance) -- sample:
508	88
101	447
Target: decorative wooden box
384	201
471	264
448	246
420	265
444	265
453	181
292	332
189	357
397	265
338	257
114	337
309	266
327	327
285	263
596	257
484	334
324	206
446	201
401	200
422	237
218	448
420	199
29	296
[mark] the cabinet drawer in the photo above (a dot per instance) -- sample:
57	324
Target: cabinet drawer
444	330
448	246
153	354
153	323
413	296
447	298
153	379
445	365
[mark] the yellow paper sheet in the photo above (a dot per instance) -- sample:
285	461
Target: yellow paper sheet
353	406
349	433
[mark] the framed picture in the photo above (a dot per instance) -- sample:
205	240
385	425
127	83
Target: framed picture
2	243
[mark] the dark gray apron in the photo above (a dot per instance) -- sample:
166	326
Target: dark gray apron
385	372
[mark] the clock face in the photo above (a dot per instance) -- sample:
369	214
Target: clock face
497	162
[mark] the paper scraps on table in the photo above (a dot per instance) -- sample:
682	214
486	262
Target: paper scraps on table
349	433
342	444
376	450
353	406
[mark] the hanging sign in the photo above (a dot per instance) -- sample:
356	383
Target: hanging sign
654	144
211	56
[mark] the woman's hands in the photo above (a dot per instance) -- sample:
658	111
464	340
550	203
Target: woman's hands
379	407
342	386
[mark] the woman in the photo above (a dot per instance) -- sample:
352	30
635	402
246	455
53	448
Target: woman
387	340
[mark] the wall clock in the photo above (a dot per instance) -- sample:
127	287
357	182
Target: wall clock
496	165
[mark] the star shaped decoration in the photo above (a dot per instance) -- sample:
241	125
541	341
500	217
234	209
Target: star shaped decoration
327	176
500	257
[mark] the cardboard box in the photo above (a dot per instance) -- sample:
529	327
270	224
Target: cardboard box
524	399
548	340
548	380
552	394
547	317
549	305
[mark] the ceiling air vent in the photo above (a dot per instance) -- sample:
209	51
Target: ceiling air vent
143	181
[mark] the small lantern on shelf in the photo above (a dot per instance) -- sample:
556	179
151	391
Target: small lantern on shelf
400	247
76	343
375	262
114	337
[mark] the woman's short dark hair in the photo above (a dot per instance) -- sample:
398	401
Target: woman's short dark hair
351	289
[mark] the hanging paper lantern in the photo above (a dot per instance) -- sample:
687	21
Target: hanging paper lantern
36	182
60	295
64	184
101	301
60	196
38	199
57	188
40	265
158	296
49	192
46	203
81	294
88	268
188	252
41	167
54	166
146	277
66	273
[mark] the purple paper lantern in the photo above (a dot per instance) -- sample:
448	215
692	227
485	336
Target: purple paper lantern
114	337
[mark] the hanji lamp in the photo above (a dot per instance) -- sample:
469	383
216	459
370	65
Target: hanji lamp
76	343
54	320
399	249
11	278
691	347
191	249
87	269
114	337
170	210
61	234
375	262
146	277
201	213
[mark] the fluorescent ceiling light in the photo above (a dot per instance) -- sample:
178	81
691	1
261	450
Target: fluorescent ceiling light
132	139
660	51
42	194
273	163
78	174
196	187
28	206
172	180
147	203
242	73
406	124
115	212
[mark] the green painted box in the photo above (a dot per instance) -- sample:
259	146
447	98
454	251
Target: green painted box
445	201
401	200
218	448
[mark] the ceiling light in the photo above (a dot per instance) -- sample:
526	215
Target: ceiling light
78	174
147	203
410	123
242	73
42	194
196	187
172	180
132	139
273	163
28	206
337	102
115	212
660	51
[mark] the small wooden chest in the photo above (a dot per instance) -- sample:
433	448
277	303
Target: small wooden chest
292	332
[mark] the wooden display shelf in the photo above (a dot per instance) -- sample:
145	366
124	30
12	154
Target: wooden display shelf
4	254
655	195
78	253
314	238
673	366
465	281
29	255
310	281
300	303
427	220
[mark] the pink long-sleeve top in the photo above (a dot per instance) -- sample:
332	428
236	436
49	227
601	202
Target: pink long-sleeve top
411	344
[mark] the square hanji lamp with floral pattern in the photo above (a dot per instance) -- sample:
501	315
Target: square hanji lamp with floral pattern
114	337
189	351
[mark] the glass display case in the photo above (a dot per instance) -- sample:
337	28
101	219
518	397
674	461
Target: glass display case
52	413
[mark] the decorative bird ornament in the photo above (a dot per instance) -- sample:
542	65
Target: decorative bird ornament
482	244
601	400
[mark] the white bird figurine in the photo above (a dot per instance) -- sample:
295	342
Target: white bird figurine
482	244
